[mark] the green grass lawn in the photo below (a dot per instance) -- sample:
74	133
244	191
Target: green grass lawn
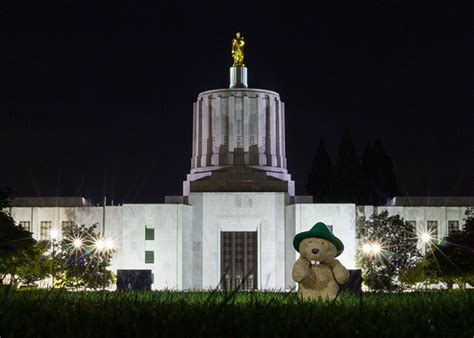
59	313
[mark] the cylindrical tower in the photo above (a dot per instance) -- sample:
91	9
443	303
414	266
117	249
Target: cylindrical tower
238	139
239	127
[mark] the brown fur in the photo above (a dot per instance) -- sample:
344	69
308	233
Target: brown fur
318	281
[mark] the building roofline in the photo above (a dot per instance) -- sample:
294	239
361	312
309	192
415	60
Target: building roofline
58	201
431	201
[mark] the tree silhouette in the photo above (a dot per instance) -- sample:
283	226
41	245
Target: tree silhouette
319	183
380	183
348	179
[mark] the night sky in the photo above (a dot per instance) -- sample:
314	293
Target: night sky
96	99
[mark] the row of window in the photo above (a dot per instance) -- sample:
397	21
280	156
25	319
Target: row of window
432	227
45	228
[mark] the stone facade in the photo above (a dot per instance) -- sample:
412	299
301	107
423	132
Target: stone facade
238	127
186	244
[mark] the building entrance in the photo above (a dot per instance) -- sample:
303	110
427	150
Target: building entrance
239	260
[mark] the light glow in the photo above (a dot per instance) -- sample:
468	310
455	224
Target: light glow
77	243
54	234
371	249
425	237
109	244
376	248
366	248
100	244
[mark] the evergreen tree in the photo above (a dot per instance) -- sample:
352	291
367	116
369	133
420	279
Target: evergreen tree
369	183
348	182
319	183
377	168
396	252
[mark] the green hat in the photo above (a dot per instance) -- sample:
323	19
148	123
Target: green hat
319	230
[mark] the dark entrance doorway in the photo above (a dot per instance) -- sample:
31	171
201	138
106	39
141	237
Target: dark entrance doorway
239	260
134	280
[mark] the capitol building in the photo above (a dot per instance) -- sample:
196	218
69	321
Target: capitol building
238	212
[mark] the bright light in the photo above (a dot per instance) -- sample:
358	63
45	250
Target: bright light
366	248
109	244
77	243
100	244
54	234
376	248
425	237
371	248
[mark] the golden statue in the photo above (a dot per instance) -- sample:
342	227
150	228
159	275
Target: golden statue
238	44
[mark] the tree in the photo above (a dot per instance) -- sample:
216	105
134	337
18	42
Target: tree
319	183
377	168
81	258
388	248
22	259
347	173
35	264
451	260
5	196
12	237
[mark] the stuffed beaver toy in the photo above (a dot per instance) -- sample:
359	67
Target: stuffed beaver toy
317	271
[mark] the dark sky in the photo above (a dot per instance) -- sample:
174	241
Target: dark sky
96	99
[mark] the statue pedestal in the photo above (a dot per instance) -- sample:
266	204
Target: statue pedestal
238	77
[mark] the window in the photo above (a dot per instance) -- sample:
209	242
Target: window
45	233
412	225
149	257
453	226
65	225
25	225
149	233
432	229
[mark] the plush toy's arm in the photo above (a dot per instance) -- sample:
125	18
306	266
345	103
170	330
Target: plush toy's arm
300	269
340	272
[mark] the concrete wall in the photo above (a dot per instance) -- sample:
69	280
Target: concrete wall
217	212
125	225
187	237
